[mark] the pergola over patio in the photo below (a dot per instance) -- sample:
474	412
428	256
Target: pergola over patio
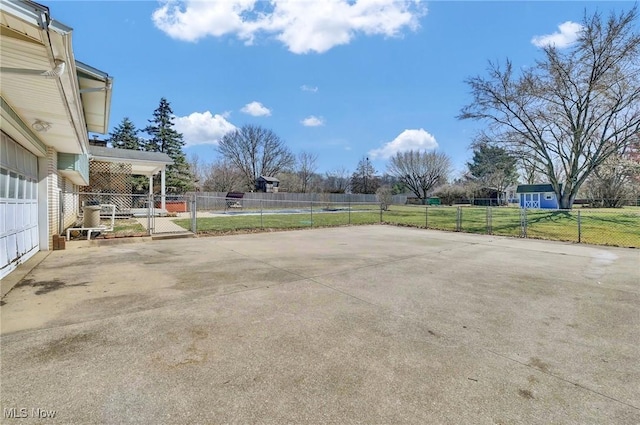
142	163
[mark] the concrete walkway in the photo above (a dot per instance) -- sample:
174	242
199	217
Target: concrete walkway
162	224
369	324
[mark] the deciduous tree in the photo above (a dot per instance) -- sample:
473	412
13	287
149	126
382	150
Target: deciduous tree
420	171
255	151
306	166
571	111
337	180
222	176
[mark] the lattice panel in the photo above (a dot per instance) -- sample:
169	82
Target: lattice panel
109	180
109	177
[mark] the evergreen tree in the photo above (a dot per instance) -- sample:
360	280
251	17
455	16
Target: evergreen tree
493	167
164	138
364	179
125	136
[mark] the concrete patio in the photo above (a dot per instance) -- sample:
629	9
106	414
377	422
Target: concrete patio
369	324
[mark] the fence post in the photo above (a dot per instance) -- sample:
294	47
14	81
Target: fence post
149	213
194	213
523	222
261	222
349	200
459	219
488	220
311	213
579	227
380	212
426	217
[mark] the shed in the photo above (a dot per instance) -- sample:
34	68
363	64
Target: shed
540	196
267	184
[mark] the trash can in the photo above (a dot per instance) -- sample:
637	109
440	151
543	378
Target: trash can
91	216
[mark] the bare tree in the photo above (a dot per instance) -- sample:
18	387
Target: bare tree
420	171
306	169
197	167
289	182
612	183
222	176
571	111
337	181
385	196
255	151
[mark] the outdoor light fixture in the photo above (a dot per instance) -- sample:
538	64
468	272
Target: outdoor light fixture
41	126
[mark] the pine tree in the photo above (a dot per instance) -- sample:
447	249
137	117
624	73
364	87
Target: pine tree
125	136
493	167
364	179
164	138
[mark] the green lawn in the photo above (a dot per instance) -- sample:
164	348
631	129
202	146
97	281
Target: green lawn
620	227
360	215
128	226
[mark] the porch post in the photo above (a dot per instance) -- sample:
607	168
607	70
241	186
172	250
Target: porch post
151	185
163	189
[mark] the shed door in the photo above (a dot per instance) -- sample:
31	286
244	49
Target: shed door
18	204
532	200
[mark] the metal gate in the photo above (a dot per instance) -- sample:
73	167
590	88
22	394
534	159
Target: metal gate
172	214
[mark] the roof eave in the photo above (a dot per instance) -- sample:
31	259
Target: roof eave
104	90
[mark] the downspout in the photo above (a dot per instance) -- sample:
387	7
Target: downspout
47	25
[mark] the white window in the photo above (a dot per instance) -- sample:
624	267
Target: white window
4	183
13	185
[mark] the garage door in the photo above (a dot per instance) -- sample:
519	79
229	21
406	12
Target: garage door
18	204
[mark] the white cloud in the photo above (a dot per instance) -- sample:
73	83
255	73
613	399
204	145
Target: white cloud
406	141
256	109
203	128
303	26
305	87
568	34
312	121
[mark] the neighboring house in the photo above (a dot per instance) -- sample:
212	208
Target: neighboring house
537	196
489	197
267	184
512	194
49	102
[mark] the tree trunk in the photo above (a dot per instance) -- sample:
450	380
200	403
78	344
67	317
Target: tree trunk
566	200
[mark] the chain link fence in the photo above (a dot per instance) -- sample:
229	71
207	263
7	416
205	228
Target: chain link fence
220	214
114	215
138	215
619	227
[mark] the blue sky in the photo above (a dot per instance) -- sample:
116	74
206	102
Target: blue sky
343	80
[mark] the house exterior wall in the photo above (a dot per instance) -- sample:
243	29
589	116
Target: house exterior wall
54	184
70	205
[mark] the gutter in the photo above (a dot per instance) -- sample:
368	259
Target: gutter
29	11
127	160
38	15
